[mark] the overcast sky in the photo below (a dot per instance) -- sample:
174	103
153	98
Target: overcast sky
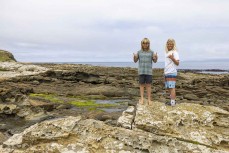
111	30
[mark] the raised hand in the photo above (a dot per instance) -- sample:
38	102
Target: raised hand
171	56
155	57
135	55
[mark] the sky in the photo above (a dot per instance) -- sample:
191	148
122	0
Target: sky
111	30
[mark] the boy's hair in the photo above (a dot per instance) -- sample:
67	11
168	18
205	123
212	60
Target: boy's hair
174	45
145	40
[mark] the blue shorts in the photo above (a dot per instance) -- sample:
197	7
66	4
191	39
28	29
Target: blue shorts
170	80
145	79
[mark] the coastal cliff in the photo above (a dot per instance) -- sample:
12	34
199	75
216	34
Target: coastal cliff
6	56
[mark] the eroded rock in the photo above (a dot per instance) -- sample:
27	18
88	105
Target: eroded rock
127	118
8	108
71	134
206	125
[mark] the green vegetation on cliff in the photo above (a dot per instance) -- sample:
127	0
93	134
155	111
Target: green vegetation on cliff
6	56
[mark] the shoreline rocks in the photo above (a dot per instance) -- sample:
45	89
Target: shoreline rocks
13	69
56	86
194	123
72	134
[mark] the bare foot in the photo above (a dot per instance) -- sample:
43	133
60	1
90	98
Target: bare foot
141	101
150	103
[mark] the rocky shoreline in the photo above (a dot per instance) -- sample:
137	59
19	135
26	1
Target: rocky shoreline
34	93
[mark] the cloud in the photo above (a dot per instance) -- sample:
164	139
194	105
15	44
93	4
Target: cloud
108	30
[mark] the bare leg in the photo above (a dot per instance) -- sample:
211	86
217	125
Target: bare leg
173	93
141	101
148	88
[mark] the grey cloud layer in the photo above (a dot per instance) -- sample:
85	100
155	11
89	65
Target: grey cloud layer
111	30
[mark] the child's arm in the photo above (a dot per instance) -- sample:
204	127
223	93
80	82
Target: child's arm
135	57
174	60
155	57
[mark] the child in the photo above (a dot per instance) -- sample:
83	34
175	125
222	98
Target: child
145	57
170	71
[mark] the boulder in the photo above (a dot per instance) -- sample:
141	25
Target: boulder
127	118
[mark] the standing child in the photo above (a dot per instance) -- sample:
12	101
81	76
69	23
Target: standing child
170	71
145	57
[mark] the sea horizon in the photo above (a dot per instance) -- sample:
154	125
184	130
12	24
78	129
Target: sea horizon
189	65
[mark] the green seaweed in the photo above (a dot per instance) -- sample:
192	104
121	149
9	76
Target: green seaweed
88	97
78	101
90	103
49	97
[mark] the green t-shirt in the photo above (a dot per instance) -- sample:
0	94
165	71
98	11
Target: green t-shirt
145	62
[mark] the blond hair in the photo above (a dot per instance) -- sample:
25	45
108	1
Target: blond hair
174	44
145	40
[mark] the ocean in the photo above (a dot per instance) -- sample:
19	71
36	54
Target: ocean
212	67
219	65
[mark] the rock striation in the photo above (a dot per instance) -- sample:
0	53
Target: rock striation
194	123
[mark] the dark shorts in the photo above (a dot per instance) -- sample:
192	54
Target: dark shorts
145	79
